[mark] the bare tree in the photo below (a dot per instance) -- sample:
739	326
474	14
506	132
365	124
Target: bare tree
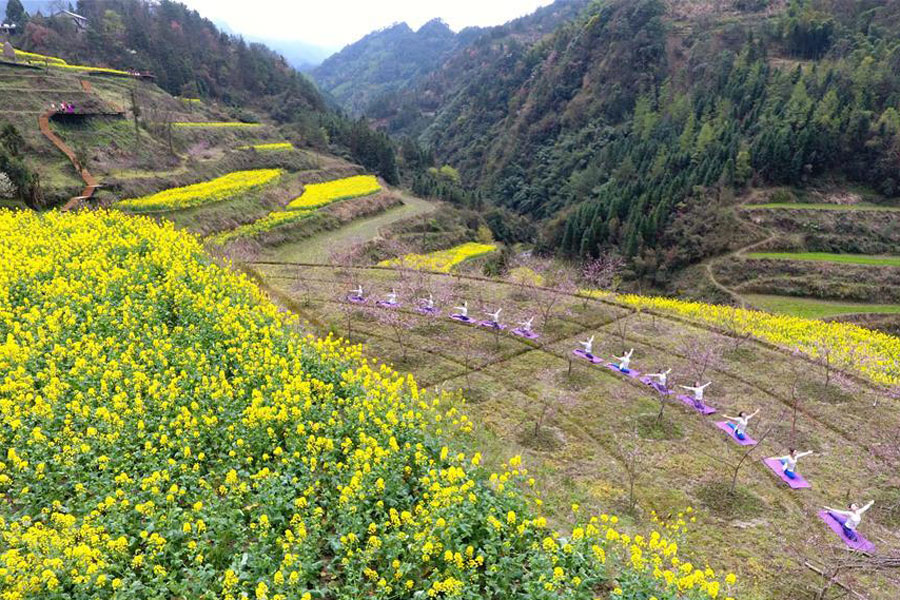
636	461
737	329
825	358
735	466
556	281
398	319
703	354
603	273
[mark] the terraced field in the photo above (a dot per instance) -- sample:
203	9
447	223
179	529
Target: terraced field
851	259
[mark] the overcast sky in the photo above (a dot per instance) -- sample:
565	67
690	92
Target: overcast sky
336	23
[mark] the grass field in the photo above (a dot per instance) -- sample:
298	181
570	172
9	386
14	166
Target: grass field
822	206
576	426
853	259
812	308
318	248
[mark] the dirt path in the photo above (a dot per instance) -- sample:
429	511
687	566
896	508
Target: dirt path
90	181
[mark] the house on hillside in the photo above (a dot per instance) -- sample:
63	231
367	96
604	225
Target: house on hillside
80	22
7	28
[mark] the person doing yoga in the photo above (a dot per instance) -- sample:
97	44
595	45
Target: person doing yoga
526	325
698	392
494	320
429	302
357	293
789	462
463	311
662	377
740	424
588	346
624	360
849	519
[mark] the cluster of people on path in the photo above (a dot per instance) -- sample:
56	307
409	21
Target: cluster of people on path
63	107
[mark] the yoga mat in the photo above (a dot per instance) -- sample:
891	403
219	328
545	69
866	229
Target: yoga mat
776	466
356	299
385	304
747	441
528	335
861	543
427	311
630	372
491	325
655	385
703	410
589	357
462	319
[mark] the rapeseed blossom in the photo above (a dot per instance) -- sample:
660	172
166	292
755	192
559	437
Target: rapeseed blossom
168	432
317	195
216	190
441	261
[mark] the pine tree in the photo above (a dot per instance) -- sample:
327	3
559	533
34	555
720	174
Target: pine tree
15	13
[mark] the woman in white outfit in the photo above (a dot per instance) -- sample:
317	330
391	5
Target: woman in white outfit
739	424
849	519
698	392
789	462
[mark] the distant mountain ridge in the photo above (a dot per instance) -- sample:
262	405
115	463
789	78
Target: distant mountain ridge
387	61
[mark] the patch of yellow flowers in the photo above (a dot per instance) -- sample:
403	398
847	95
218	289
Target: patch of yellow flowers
57	63
317	195
274	147
874	354
441	261
271	221
168	433
207	192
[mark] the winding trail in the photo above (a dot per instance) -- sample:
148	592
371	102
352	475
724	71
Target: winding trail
90	182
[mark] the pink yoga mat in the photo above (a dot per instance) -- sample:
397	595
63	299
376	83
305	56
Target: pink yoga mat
656	386
747	441
588	357
528	335
703	409
462	319
861	543
630	372
776	466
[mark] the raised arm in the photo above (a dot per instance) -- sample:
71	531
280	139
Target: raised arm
866	507
843	513
706	385
802	454
730	418
753	415
781	457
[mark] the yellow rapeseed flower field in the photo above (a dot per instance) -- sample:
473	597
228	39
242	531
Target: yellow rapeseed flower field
441	261
207	192
875	355
168	433
317	195
271	221
277	146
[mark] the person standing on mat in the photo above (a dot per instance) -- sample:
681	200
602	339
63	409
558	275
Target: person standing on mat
849	519
624	360
698	392
662	377
740	424
789	462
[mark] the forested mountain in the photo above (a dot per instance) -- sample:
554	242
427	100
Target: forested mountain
386	61
187	53
625	128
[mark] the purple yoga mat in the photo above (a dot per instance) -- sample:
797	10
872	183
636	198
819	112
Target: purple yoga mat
630	372
588	357
703	409
796	483
656	386
861	543
427	311
357	299
462	319
528	335
747	441
491	325
385	304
